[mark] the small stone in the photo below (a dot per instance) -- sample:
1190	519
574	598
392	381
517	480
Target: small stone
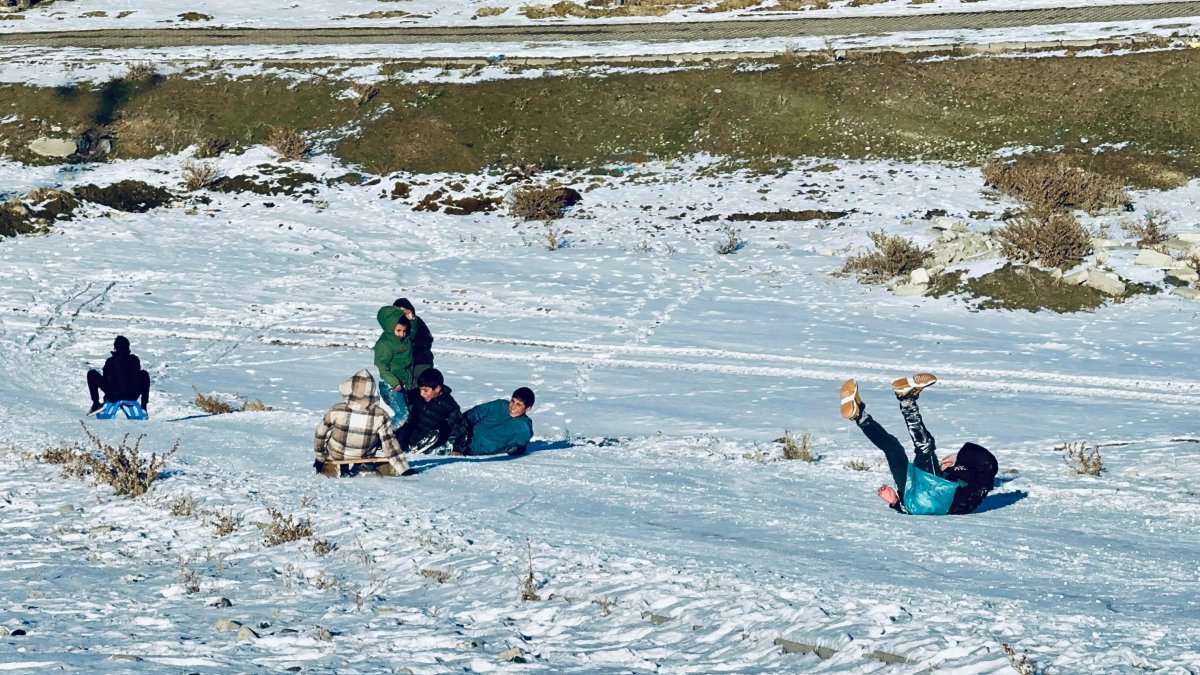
66	508
1099	243
1105	282
656	619
514	655
221	603
906	290
1077	277
944	223
4	632
323	634
246	633
919	276
227	624
1149	258
1177	244
1182	291
1184	274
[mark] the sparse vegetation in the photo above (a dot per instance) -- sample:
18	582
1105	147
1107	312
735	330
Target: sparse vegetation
120	466
1054	185
555	237
1053	238
1082	459
490	11
183	507
892	257
542	202
1020	662
284	528
287	142
139	71
732	241
198	175
859	465
1151	230
217	406
437	576
794	449
211	147
322	548
364	92
224	523
528	583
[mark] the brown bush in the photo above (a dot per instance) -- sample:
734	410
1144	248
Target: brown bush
490	11
802	4
198	175
211	147
794	449
893	257
140	70
283	529
212	405
1055	185
1151	230
542	203
1051	238
121	466
287	142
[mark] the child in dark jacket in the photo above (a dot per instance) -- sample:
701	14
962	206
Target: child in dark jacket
122	379
435	418
955	485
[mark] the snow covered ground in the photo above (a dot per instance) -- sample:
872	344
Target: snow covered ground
92	14
658	538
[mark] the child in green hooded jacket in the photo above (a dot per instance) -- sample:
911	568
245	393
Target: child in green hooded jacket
394	354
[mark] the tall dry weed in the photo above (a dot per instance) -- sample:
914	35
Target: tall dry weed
1050	237
893	256
1055	185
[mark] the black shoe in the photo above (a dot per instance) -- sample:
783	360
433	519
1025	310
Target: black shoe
411	472
96	407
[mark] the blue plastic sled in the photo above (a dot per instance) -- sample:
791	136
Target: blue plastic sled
132	409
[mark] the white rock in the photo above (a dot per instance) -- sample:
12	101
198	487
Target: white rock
905	290
52	147
1193	237
516	655
227	624
946	223
1186	292
1149	258
1177	244
1105	282
919	276
1077	277
246	633
1186	274
1105	243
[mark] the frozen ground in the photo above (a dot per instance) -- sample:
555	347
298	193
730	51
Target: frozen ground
659	542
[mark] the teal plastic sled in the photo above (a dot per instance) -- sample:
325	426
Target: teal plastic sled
132	409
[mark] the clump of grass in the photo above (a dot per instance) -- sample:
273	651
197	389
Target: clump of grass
1053	238
794	448
283	528
541	202
199	175
364	92
1082	459
859	465
555	237
732	242
139	71
1055	185
1151	230
120	466
287	142
183	507
792	5
437	576
224	523
212	405
212	147
322	548
490	11
892	257
1020	662
255	406
528	583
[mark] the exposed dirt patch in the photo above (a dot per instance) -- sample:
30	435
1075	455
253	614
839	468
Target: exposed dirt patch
441	200
1022	287
278	180
35	211
132	196
785	214
195	16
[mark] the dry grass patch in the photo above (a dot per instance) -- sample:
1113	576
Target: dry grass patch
224	524
322	548
211	147
199	175
120	466
630	8
542	202
287	142
212	405
283	528
528	583
1049	237
437	576
183	507
140	71
1055	185
892	257
1151	230
490	11
1082	459
859	465
792	5
797	449
732	242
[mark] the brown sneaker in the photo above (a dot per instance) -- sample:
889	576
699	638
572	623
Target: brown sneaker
910	387
852	405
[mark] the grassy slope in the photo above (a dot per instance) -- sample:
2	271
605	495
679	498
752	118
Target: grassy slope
883	106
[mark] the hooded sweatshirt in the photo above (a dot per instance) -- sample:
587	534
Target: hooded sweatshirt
975	471
359	427
121	371
494	431
393	355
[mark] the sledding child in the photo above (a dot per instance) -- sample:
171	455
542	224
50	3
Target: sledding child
122	379
501	425
358	428
393	358
422	339
435	418
956	485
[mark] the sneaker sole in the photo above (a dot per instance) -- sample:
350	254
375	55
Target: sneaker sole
907	386
851	403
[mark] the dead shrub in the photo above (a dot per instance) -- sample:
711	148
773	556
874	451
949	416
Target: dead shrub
528	583
212	147
120	466
859	465
797	449
224	523
1082	459
255	406
490	11
139	71
1019	662
364	92
1050	237
732	243
322	548
72	459
183	507
437	576
287	142
283	528
1151	230
1055	185
892	257
542	202
212	405
792	5
199	175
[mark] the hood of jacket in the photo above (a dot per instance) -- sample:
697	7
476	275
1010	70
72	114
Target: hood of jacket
980	462
388	317
360	391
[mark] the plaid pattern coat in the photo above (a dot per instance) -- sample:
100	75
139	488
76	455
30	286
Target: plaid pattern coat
359	427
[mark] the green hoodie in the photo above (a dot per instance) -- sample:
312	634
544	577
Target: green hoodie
393	355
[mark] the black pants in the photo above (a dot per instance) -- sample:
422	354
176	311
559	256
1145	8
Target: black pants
123	391
925	458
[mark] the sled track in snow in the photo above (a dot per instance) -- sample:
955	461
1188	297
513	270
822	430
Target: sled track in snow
1175	392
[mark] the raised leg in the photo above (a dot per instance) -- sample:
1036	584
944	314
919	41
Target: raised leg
95	382
926	455
897	456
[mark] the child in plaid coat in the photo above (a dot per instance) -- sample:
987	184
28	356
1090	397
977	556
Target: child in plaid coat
358	428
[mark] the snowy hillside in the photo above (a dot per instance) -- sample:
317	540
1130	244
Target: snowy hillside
661	535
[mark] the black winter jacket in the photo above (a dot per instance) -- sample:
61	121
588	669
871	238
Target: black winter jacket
422	342
976	467
121	372
432	424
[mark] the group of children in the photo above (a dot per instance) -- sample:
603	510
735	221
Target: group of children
412	410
